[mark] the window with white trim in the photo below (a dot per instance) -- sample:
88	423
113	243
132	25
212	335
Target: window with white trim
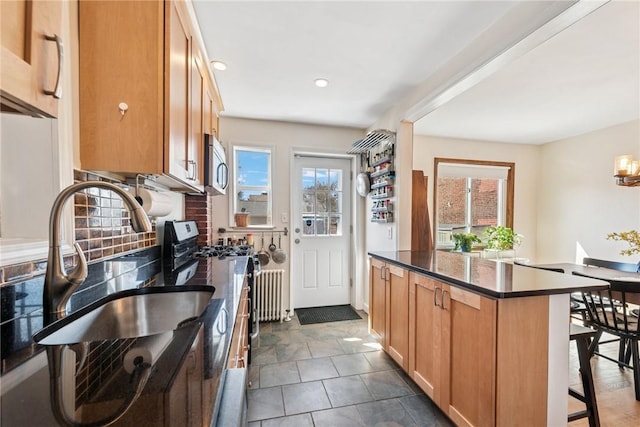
471	197
252	181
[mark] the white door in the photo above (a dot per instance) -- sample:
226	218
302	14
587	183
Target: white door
321	220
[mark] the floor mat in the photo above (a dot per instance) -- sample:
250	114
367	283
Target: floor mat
333	313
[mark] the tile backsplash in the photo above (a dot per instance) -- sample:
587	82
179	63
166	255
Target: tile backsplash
102	230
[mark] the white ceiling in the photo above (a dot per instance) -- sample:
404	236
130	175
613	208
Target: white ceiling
376	54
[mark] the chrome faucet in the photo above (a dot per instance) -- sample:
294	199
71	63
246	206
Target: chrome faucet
58	285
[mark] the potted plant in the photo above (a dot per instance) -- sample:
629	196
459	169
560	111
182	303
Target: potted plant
501	238
242	218
464	241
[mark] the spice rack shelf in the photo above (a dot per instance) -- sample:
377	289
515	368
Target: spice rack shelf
382	178
386	183
388	218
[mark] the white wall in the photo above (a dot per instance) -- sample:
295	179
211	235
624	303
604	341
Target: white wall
286	138
526	159
579	203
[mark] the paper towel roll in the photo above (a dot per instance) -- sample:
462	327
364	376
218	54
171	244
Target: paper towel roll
154	203
149	349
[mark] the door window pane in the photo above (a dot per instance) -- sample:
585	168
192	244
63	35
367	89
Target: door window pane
322	194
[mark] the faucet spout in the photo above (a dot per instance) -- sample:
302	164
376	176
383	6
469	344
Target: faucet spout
58	284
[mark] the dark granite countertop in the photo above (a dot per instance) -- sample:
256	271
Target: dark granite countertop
491	278
25	396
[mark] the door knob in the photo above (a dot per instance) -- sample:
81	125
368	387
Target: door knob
297	241
297	230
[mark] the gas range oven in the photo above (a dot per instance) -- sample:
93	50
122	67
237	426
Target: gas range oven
181	255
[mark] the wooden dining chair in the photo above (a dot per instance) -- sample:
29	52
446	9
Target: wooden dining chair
610	311
613	265
624	353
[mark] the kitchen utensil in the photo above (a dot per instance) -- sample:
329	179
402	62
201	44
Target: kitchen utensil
272	246
279	256
363	184
263	256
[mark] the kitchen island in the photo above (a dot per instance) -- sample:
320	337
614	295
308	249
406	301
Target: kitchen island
487	341
187	379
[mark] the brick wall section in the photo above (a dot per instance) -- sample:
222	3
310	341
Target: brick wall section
199	209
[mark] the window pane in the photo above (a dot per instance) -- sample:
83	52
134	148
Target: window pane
335	225
451	201
252	184
308	225
334	202
308	178
253	168
484	203
322	178
257	204
322	201
335	179
321	225
309	202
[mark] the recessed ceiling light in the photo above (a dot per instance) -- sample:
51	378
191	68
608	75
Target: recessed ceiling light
219	65
321	82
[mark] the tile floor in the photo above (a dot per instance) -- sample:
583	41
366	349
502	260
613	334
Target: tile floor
331	374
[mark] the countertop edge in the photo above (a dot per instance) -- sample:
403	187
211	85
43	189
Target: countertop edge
487	292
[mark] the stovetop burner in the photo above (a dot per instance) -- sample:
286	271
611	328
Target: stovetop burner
223	251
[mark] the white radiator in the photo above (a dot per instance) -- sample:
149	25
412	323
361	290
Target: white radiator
268	303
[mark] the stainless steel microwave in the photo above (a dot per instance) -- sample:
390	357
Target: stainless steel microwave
216	171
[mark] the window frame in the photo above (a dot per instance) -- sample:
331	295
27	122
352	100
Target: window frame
508	187
236	188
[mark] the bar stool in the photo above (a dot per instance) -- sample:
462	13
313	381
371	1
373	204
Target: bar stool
583	336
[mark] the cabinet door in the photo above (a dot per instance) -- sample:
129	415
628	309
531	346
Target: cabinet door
121	61
209	111
468	357
30	62
425	335
377	297
183	402
398	315
177	86
195	158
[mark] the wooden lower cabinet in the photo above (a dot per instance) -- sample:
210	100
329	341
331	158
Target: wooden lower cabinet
389	314
453	342
482	361
377	300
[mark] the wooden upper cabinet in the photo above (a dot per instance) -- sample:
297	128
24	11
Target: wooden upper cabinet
195	150
142	91
178	57
32	55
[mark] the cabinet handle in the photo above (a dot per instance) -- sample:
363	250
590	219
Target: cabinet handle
57	91
193	163
435	296
442	299
382	275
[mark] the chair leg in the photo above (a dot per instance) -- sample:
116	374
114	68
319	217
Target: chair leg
627	353
621	352
587	382
636	366
593	347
